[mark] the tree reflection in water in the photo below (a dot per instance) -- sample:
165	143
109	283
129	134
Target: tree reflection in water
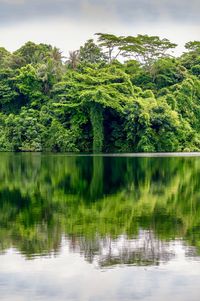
115	210
143	250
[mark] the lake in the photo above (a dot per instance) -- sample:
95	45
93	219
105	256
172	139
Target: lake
99	228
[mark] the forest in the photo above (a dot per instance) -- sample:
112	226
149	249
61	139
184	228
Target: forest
114	94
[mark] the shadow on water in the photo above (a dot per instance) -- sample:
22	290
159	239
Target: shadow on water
121	210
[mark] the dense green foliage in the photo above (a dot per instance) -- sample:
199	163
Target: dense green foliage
94	200
123	94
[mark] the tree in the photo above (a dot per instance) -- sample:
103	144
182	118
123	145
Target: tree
192	56
34	53
91	53
196	70
49	73
4	56
96	102
95	90
167	72
112	45
152	126
8	91
29	84
56	55
193	46
73	59
146	49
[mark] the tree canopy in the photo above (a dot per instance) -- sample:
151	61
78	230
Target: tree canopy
116	94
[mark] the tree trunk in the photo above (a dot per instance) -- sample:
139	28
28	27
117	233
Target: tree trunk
96	117
97	183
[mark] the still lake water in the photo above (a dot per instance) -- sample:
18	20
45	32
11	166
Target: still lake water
99	228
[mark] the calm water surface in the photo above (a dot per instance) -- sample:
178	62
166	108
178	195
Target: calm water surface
99	228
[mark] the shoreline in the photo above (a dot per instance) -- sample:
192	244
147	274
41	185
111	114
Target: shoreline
130	155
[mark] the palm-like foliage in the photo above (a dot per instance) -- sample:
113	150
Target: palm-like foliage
73	59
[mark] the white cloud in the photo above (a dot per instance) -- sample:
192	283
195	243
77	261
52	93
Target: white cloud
68	23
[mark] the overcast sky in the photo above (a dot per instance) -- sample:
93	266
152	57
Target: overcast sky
68	23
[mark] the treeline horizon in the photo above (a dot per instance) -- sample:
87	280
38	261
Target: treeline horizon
95	39
119	94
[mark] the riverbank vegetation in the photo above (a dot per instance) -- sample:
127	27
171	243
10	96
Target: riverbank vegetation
118	94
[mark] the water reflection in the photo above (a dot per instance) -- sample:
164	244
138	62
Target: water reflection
112	210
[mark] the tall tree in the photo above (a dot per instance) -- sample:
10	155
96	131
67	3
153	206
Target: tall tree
91	53
73	59
146	49
191	58
193	46
112	45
